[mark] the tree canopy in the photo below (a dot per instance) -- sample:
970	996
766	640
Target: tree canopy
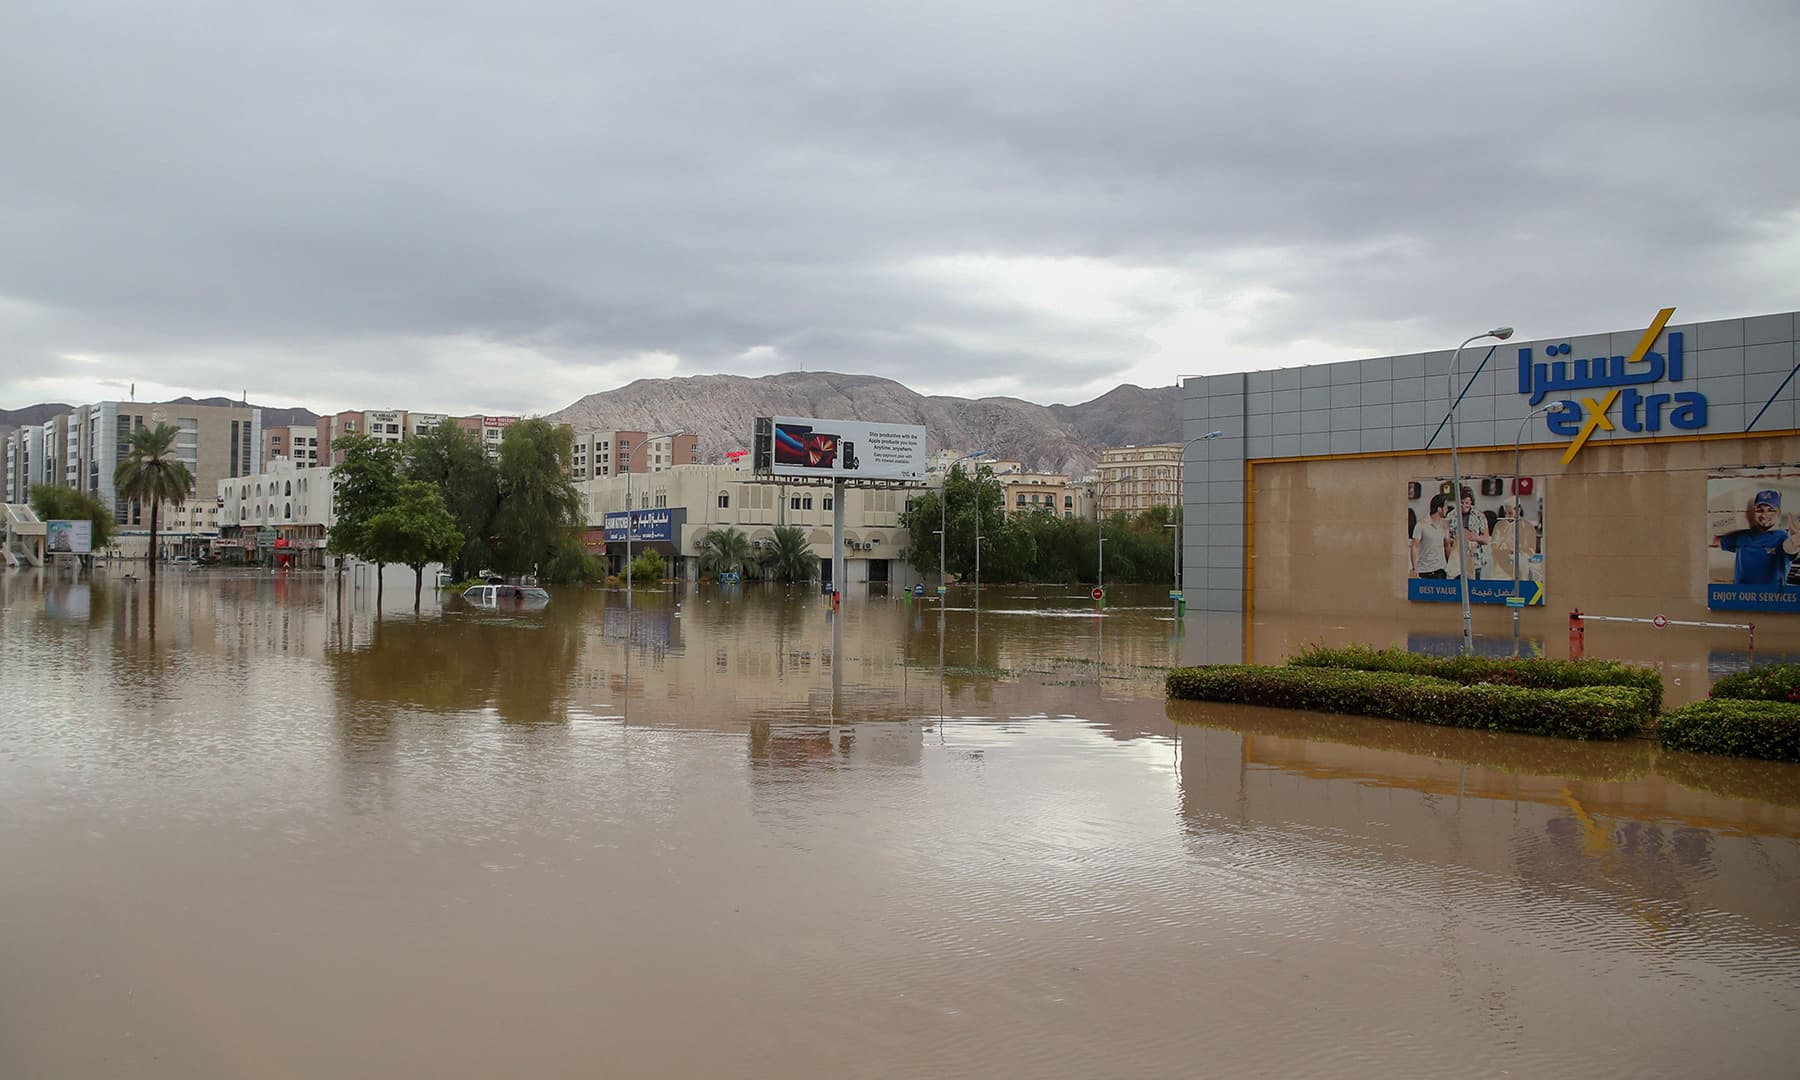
52	502
415	530
151	473
539	508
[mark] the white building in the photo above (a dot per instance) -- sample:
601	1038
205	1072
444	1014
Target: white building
284	510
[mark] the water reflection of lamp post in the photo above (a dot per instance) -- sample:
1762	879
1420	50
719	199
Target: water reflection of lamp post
1518	586
1181	526
630	513
1462	526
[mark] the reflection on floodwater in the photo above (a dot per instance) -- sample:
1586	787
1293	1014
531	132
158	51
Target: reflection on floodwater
725	831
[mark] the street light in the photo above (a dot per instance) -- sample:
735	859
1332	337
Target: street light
1181	526
1499	333
943	522
630	512
1518	589
978	540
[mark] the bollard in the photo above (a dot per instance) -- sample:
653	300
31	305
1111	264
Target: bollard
1577	635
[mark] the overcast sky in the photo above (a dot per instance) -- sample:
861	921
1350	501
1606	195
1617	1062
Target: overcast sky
380	204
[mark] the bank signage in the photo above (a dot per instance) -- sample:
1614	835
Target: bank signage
1643	391
660	524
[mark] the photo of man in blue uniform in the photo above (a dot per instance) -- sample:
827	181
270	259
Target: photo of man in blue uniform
1763	551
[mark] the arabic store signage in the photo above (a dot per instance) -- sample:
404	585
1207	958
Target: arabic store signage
1637	410
646	524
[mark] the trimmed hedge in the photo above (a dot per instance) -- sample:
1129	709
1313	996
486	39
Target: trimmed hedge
1763	682
1752	729
1582	712
1530	673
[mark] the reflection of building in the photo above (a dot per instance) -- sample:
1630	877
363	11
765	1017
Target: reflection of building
1320	459
721	496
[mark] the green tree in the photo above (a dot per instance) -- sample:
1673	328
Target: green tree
647	567
367	482
725	550
570	563
151	474
790	556
469	479
415	529
539	507
53	502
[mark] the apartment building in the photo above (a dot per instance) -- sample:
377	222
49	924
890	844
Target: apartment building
600	454
1132	479
1055	493
675	507
279	515
80	449
298	443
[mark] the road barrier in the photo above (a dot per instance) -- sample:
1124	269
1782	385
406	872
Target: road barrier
1579	619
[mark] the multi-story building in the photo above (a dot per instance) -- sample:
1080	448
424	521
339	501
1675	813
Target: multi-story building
600	454
677	506
80	449
489	430
1055	493
281	514
1132	479
298	443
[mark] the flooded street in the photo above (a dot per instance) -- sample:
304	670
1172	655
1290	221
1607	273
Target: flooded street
251	828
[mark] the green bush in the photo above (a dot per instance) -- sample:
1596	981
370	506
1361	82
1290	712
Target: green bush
1763	682
648	568
1532	674
1581	712
1752	729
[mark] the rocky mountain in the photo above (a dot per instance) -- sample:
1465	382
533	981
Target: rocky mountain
721	410
272	417
31	414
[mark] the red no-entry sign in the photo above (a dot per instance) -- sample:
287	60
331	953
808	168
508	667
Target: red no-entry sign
1660	621
1099	593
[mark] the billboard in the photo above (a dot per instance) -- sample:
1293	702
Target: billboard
657	524
1484	540
69	537
852	449
1752	537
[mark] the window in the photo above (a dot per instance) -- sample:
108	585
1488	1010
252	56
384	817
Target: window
288	511
1021	502
724	500
794	502
1068	501
827	501
289	492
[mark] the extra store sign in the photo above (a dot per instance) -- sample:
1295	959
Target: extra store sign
1641	392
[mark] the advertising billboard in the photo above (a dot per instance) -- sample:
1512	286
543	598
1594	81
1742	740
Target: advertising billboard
1752	538
852	449
69	537
1481	538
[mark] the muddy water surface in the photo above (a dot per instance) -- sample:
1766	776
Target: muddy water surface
251	829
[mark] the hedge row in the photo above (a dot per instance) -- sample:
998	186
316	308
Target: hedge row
1764	682
1582	712
1752	729
1530	673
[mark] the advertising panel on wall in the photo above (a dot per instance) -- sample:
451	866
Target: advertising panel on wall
1753	536
69	537
1497	540
852	449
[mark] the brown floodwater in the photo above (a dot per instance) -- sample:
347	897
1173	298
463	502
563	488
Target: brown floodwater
250	827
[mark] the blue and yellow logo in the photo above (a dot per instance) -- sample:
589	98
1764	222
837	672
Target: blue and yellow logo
1638	411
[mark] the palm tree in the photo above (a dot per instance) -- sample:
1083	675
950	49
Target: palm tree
724	550
150	473
789	557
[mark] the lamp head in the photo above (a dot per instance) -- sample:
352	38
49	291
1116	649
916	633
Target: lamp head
1500	332
1212	434
1557	407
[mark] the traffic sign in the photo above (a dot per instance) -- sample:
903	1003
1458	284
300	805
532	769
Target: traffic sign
1099	593
1515	601
1660	621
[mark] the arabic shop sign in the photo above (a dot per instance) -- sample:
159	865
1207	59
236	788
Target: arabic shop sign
645	524
1621	377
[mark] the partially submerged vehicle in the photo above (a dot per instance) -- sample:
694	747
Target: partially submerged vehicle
506	596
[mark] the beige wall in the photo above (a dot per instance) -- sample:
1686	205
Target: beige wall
1625	526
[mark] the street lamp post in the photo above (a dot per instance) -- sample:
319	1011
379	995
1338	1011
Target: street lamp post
978	539
943	520
1181	526
1518	586
630	512
1500	333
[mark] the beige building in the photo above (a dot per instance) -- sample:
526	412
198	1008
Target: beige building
1132	479
298	443
699	498
600	454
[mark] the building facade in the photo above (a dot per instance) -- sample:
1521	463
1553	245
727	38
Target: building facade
281	514
1132	479
298	443
599	454
1647	471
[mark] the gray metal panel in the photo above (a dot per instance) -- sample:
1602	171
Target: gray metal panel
1767	329
1346	419
1779	416
1380	392
1346	442
1260	446
1377	440
1409	367
1776	356
1222	599
1259	404
1723	334
1348	395
1259	382
1286	400
1721	389
1315	397
1409	389
1348	373
1285	423
1315	442
1286	378
1285	444
1729	416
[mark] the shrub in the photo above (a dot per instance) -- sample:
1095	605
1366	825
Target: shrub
648	567
1534	674
1752	729
1763	682
1581	712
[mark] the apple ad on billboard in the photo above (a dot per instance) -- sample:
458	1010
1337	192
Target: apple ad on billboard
852	449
